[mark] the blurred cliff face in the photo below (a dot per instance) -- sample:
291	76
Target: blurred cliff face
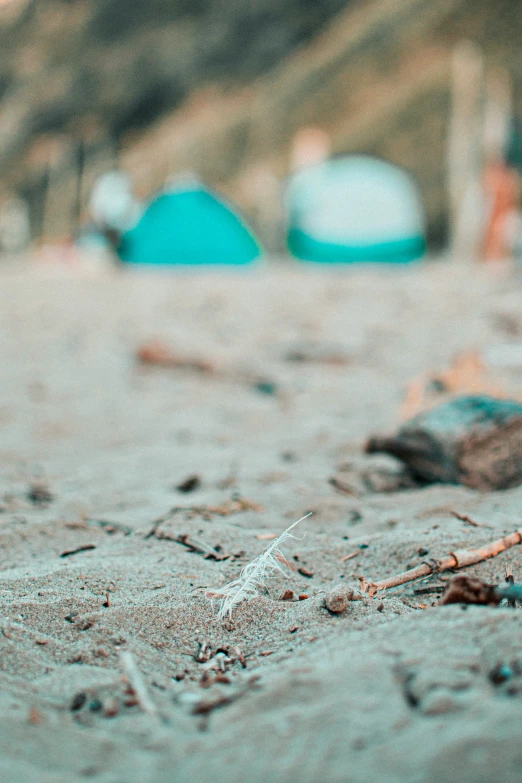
222	86
120	64
80	77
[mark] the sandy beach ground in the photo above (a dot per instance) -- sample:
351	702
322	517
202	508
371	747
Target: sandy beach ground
104	563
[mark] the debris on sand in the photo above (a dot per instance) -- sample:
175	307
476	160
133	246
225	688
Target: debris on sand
460	558
463	589
337	599
381	475
467	374
156	352
318	353
136	683
235	505
475	441
77	550
219	699
39	494
190	484
197	546
265	387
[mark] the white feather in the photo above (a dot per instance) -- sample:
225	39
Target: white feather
253	576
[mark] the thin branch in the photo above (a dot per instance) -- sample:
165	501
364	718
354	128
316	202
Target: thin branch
465	518
458	559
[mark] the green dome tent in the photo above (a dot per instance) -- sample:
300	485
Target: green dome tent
355	208
188	225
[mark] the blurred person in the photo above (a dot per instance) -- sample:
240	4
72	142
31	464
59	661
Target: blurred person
502	183
15	228
112	205
502	195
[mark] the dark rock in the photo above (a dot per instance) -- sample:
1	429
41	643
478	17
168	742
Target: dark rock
190	484
39	494
475	441
78	701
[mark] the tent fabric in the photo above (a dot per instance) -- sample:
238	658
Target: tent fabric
354	209
399	251
188	226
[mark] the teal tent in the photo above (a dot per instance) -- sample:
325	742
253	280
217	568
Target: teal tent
354	208
188	225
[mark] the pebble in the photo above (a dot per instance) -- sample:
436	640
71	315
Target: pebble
440	701
337	600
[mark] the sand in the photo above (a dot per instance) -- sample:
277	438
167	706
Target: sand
97	543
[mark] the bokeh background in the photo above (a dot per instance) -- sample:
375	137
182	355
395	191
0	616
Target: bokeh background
222	88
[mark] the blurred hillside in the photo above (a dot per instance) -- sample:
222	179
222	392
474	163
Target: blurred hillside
221	87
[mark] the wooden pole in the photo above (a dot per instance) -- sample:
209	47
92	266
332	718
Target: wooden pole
464	161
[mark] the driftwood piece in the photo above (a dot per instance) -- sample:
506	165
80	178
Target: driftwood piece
475	441
463	589
460	558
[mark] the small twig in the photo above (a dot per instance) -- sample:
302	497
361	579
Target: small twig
465	518
240	657
137	683
429	589
197	546
458	559
342	486
510	580
84	548
206	706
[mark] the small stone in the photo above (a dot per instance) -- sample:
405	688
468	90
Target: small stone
337	600
35	716
39	494
500	673
190	484
439	702
78	701
110	707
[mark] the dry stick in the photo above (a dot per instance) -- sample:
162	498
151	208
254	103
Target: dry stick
465	518
137	683
458	559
